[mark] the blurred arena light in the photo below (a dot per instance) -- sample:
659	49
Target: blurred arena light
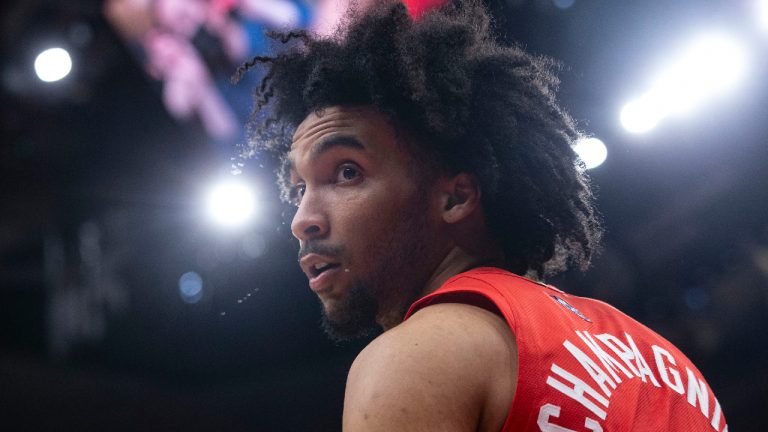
53	64
191	287
712	65
231	203
642	115
591	151
563	4
761	12
709	67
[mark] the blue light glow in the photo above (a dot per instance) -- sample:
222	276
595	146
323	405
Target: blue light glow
563	4
191	287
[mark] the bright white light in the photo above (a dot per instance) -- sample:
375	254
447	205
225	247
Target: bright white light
761	9
592	151
231	203
724	60
642	115
53	64
709	67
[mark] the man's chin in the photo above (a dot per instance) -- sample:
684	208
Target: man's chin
346	331
350	317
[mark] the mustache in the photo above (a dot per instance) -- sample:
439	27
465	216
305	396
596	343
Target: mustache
319	249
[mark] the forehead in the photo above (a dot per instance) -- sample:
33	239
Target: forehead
364	125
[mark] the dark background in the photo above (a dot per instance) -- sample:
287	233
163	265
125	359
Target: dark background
101	214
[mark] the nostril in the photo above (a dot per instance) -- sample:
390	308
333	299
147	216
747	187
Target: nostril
312	229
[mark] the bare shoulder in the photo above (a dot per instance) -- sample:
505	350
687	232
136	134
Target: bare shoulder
450	367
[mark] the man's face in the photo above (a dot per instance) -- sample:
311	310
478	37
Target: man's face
363	220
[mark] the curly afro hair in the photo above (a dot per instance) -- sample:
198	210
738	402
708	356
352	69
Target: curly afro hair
471	104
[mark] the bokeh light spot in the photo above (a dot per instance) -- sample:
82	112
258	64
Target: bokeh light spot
592	151
563	4
53	64
231	203
710	66
641	115
191	287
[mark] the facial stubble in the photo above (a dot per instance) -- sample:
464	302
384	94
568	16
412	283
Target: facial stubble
395	279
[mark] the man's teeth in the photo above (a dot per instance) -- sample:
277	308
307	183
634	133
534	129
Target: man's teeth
319	268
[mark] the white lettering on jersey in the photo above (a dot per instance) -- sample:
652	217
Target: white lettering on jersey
592	425
605	373
621	349
642	366
716	416
609	363
548	411
697	391
676	384
579	390
597	374
545	412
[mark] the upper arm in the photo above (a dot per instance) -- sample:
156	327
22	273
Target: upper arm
450	367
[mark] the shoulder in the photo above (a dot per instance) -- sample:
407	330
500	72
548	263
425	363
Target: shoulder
449	367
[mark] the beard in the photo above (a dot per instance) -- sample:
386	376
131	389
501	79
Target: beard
354	317
393	281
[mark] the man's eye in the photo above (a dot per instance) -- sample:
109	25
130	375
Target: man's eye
298	192
348	173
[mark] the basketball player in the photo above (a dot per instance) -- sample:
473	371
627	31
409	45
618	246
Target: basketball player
436	187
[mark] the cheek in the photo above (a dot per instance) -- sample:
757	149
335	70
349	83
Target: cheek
366	214
361	217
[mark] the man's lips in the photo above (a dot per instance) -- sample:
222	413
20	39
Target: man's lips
319	269
317	283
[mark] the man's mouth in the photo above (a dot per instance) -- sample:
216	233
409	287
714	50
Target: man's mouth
321	276
321	267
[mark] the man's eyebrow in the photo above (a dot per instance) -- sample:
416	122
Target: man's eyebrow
334	141
323	146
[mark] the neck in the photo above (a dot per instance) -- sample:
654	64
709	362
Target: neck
456	261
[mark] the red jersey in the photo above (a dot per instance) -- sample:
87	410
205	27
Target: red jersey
584	365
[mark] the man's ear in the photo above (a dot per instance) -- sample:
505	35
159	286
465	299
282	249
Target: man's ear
461	197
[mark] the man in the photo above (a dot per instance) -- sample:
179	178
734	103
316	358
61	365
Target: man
435	186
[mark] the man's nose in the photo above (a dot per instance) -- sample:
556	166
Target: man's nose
310	221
